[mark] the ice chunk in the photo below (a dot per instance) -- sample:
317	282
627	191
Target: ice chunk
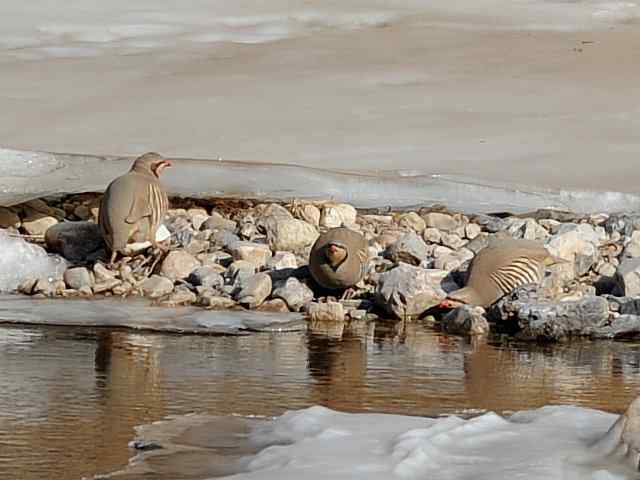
21	261
554	442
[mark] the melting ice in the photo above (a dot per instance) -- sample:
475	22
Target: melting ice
554	442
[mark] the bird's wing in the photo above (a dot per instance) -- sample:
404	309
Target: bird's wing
140	206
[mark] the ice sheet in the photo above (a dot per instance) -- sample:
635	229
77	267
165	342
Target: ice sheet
554	442
27	175
140	315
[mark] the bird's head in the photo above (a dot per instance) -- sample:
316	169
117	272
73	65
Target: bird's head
336	252
151	163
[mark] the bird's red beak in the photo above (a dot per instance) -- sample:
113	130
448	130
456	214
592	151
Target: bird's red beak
160	166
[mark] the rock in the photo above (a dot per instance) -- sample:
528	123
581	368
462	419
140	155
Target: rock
248	231
628	277
534	231
216	302
605	269
294	292
452	260
413	221
410	248
632	248
206	276
156	286
472	230
102	273
256	253
551	226
310	214
453	241
408	291
466	320
276	305
357	314
441	222
577	244
122	289
9	218
217	222
542	320
254	290
290	235
178	264
77	278
223	238
105	285
239	271
219	258
338	215
623	326
282	260
389	237
180	296
381	219
326	312
75	241
624	224
432	235
195	246
197	216
489	223
180	229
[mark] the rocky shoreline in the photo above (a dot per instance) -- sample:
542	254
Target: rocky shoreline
242	254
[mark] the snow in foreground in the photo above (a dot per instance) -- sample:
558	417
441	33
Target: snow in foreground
554	442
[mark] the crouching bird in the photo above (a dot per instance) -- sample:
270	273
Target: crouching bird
499	268
134	205
338	259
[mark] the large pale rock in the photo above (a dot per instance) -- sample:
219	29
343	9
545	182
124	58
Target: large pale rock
9	218
632	247
577	244
178	264
156	286
472	230
294	292
413	221
310	214
238	271
38	224
75	241
281	260
466	320
441	221
338	215
217	222
254	290
408	291
256	253
453	241
410	248
432	235
267	214
532	230
290	234
77	278
453	260
197	217
628	277
326	312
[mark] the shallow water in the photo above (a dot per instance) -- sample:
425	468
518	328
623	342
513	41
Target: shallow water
69	399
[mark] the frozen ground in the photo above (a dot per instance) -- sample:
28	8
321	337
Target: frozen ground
555	442
528	91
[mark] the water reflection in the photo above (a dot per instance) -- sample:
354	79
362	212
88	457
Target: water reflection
70	399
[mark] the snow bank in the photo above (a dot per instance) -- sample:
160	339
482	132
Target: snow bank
554	442
21	261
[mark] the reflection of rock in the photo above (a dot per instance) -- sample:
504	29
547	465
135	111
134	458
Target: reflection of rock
326	312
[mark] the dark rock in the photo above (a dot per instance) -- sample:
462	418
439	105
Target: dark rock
75	241
489	223
206	276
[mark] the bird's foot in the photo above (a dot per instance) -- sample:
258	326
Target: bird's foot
349	294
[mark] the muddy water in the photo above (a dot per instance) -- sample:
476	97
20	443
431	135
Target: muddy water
69	399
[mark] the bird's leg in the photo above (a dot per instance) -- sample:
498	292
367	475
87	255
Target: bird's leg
114	254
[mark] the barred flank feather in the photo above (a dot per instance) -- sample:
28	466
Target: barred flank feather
521	271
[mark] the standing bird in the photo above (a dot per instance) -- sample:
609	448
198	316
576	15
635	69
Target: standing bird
500	268
338	259
134	204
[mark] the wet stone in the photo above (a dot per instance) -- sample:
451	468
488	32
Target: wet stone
180	296
466	320
206	276
105	285
156	286
275	305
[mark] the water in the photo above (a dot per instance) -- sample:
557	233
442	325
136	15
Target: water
69	399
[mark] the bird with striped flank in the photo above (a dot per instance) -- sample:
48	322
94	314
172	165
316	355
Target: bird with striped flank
499	268
338	258
134	204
